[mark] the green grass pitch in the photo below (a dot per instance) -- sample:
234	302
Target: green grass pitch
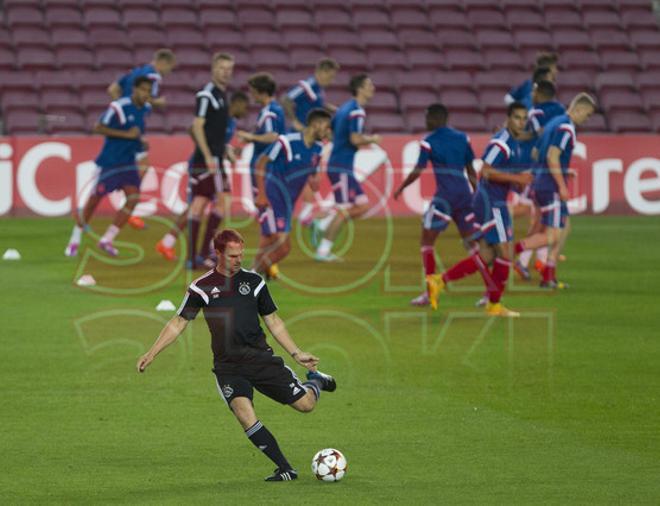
448	407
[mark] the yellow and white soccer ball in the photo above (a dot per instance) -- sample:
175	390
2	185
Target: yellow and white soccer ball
329	465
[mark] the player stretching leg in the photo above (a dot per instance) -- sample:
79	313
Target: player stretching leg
550	188
122	125
500	164
348	137
450	153
232	300
289	165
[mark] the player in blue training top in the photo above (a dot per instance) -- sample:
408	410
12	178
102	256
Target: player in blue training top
298	101
282	172
545	108
123	126
550	182
500	171
348	136
545	69
451	154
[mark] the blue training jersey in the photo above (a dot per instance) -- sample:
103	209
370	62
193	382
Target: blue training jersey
538	117
449	151
292	162
271	119
122	114
503	154
559	132
348	119
306	95
148	70
523	93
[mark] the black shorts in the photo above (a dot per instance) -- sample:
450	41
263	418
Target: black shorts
273	379
206	184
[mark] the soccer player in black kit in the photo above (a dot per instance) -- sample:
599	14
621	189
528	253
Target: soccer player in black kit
232	300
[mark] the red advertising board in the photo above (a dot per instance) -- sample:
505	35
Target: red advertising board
50	176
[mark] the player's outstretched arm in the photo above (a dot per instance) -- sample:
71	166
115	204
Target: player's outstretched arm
281	334
130	134
167	336
410	179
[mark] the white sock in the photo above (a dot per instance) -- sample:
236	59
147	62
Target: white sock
306	211
542	254
76	235
325	247
110	234
169	240
525	257
324	223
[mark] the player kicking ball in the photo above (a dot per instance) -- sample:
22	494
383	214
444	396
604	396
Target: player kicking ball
123	126
450	153
281	175
232	300
499	173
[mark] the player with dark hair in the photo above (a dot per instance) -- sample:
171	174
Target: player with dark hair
309	94
270	124
281	173
545	108
232	300
545	69
348	136
550	182
207	175
498	174
123	126
451	155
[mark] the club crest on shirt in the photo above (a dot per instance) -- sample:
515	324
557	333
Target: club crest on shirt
244	288
227	391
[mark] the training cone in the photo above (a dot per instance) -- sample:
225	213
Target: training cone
165	305
86	280
11	254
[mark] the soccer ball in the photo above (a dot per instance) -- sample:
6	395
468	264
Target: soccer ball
329	465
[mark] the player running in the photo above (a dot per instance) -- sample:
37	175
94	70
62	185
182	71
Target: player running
498	174
450	153
232	300
122	125
348	136
550	183
309	94
161	65
207	175
282	172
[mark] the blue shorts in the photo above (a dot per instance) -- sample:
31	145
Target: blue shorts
276	218
444	208
346	188
554	211
116	178
494	221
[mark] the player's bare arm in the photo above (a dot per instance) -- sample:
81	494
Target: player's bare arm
158	102
261	200
197	131
314	182
130	134
410	179
554	166
167	336
471	175
496	176
359	140
281	334
267	138
290	112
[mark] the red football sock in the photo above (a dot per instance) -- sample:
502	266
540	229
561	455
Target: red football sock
467	266
549	272
500	276
519	247
212	225
194	234
428	260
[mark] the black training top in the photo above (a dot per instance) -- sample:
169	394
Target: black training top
232	306
212	105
